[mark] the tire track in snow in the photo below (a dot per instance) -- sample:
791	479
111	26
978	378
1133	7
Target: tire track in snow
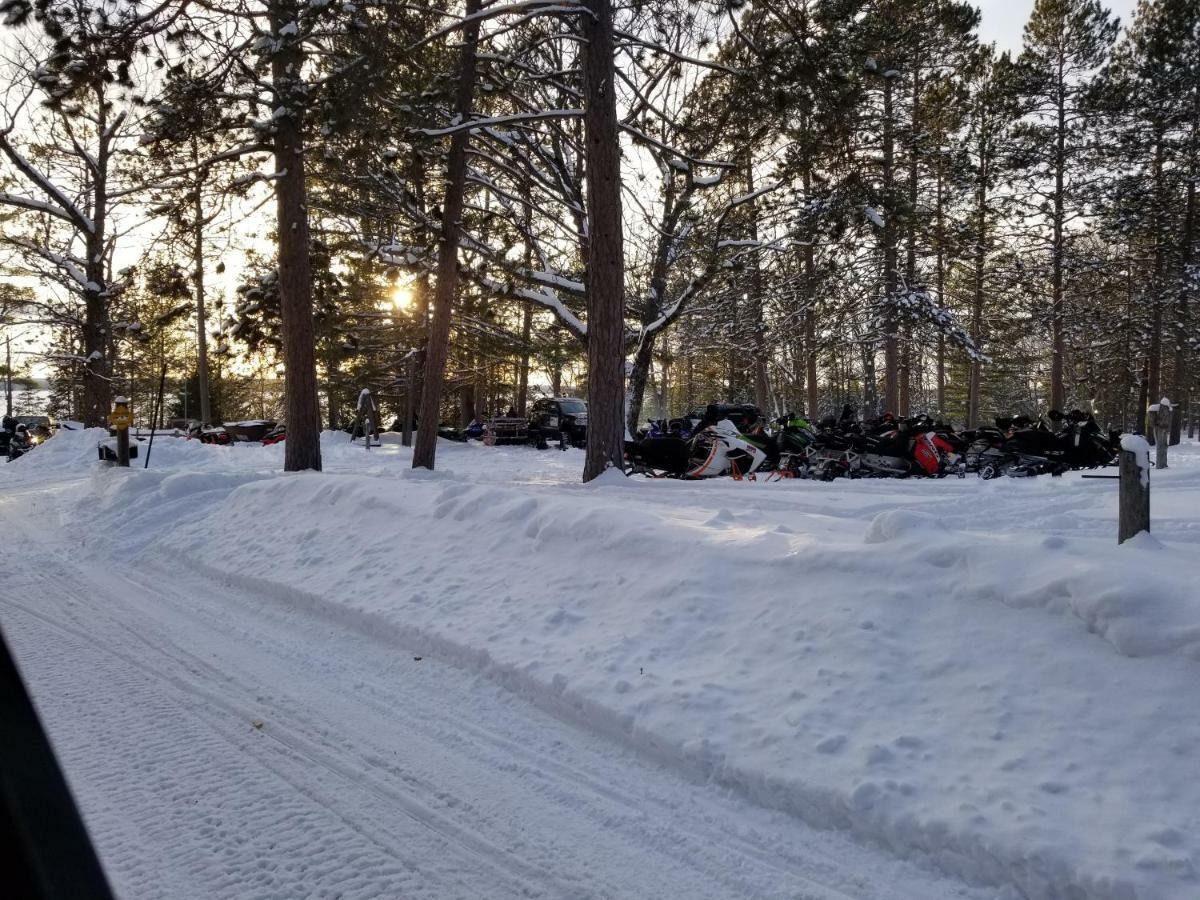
654	834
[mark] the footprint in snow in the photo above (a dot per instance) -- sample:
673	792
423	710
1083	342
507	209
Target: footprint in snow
832	744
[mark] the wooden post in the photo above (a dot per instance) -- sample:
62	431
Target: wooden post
1160	417
409	391
1134	507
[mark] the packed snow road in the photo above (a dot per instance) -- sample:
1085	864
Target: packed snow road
222	744
970	674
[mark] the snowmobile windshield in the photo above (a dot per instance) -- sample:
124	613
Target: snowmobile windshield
572	406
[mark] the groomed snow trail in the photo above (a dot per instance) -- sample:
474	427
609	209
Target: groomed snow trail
222	744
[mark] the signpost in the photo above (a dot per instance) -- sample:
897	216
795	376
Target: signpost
120	419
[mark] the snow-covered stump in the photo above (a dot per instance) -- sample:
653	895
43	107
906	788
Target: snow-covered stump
1160	420
1134	507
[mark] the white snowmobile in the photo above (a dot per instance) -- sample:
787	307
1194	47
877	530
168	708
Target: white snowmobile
721	449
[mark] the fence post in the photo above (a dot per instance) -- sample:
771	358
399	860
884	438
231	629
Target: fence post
1160	417
1134	506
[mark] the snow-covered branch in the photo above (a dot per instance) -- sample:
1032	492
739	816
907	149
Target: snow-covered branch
69	210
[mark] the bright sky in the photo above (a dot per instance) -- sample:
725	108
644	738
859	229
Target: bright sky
1004	20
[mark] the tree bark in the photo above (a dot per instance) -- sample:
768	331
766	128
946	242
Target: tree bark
812	387
1154	356
639	375
425	445
198	277
302	449
1058	349
941	295
333	402
606	253
910	226
97	367
761	386
523	368
981	240
891	344
1182	382
522	398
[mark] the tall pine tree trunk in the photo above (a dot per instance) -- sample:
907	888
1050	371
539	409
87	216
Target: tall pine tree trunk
1154	356
977	294
813	399
813	388
333	364
302	449
761	387
522	399
1182	382
910	263
941	295
606	254
198	277
732	360
523	368
97	366
891	343
438	347
1058	344
639	376
652	308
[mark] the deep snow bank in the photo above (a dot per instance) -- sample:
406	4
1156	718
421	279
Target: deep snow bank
1016	702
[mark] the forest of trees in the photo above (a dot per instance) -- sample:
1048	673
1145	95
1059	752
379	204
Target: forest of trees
651	204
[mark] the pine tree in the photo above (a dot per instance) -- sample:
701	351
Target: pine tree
1065	42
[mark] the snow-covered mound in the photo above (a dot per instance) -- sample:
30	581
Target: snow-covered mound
972	672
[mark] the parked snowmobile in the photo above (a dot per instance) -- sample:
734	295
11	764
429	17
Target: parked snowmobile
832	453
721	449
678	428
885	455
716	449
937	450
276	435
17	440
664	454
1036	448
208	435
793	436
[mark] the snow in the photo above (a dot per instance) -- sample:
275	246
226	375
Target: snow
969	674
1140	448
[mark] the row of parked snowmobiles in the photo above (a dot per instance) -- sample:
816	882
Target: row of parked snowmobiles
264	431
728	439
